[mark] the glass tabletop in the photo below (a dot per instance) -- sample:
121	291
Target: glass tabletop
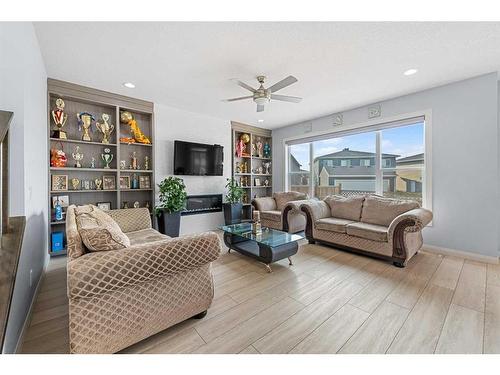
269	237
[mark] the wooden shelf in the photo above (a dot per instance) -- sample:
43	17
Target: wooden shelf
136	189
242	174
259	158
136	144
262	186
61	222
82	142
58	253
83	169
136	171
83	191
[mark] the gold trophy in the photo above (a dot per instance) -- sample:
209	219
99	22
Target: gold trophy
256	226
85	120
105	128
78	157
59	118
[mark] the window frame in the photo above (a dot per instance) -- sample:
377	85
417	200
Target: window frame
376	125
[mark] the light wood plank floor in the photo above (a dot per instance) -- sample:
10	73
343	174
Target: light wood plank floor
327	302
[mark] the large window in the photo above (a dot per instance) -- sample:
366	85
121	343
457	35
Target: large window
388	160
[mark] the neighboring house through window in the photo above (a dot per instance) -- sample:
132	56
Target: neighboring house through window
353	168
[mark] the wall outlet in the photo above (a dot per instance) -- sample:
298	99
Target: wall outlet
31	278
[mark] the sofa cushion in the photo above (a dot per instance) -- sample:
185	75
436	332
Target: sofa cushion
282	198
368	231
382	211
99	232
143	236
271	215
332	224
348	208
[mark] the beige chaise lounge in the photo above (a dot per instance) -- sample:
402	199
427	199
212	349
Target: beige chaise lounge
120	297
282	211
382	227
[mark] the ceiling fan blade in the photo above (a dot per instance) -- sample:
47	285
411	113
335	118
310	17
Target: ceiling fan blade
283	83
240	98
260	108
286	98
244	85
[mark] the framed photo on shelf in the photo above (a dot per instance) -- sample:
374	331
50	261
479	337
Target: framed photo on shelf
144	182
257	182
59	182
124	182
105	206
108	182
63	200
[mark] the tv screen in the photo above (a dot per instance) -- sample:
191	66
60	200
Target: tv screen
198	159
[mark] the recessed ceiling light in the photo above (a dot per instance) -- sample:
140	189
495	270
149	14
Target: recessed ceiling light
410	72
260	120
129	85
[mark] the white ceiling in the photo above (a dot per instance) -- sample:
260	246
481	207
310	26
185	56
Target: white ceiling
338	65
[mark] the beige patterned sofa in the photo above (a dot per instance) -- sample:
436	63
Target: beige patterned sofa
120	297
386	228
282	211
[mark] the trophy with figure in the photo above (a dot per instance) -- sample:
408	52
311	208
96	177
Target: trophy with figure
85	120
60	119
105	128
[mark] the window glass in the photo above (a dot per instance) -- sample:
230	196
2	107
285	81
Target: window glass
405	145
338	165
299	168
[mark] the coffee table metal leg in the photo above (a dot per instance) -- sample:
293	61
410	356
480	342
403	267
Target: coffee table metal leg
268	266
290	263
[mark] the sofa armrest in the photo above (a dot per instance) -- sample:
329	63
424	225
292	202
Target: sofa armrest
316	209
411	221
131	219
101	272
295	205
264	204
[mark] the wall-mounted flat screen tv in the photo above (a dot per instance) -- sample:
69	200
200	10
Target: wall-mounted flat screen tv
197	159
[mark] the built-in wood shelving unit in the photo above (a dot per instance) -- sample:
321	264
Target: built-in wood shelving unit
248	180
83	99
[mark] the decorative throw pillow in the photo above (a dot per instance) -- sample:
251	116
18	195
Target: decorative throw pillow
382	211
348	208
99	232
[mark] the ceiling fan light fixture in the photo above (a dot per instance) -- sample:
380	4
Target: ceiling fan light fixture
410	72
261	101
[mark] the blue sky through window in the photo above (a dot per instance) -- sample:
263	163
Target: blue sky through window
403	141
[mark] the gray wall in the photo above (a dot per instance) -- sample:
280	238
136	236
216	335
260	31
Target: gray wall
23	90
464	159
176	124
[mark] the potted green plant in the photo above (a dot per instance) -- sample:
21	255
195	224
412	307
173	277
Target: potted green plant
233	205
172	202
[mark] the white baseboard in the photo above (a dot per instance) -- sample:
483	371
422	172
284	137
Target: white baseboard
27	320
460	253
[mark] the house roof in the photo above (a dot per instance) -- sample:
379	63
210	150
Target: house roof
412	158
294	160
352	153
355	171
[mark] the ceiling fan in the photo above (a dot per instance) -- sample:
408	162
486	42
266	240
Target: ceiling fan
261	96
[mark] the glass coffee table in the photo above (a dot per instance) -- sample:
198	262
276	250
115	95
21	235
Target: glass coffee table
268	247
